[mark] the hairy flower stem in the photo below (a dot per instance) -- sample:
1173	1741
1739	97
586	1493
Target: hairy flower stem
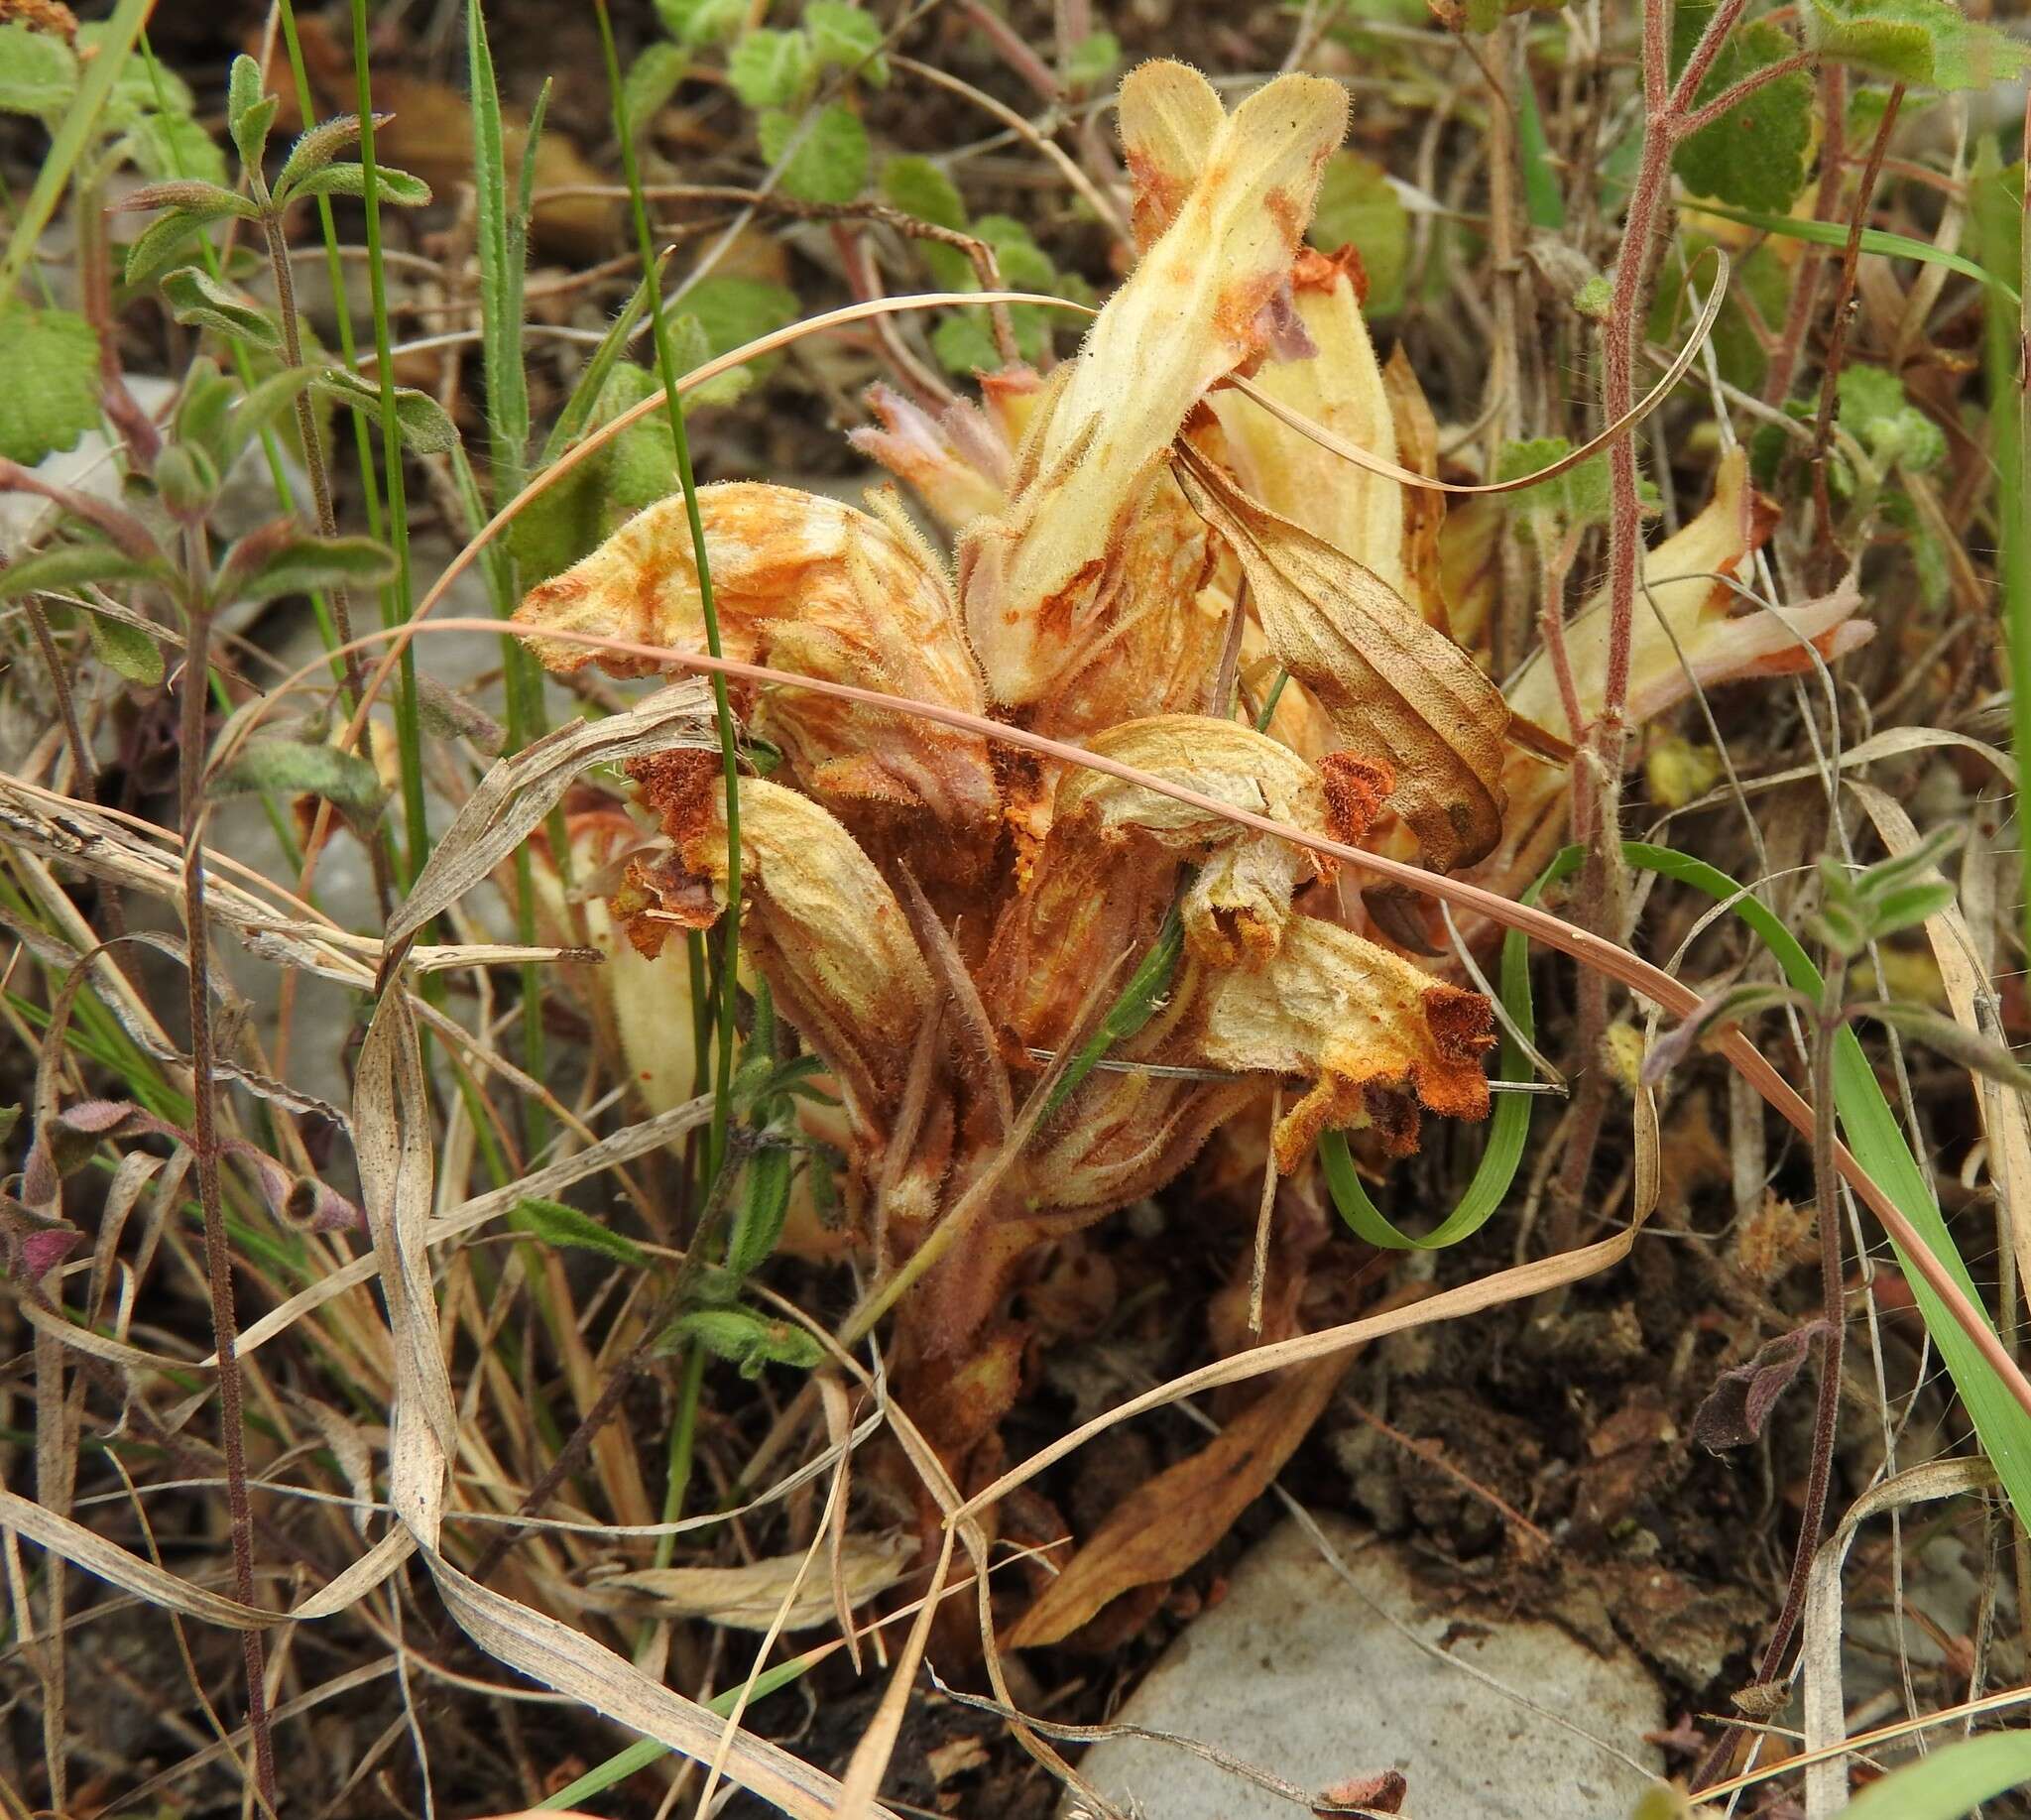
217	1255
1836	335
1597	794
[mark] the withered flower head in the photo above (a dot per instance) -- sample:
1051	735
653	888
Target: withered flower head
1107	515
804	584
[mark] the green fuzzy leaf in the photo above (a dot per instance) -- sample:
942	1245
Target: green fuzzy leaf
125	650
555	1224
830	165
1358	208
162	243
249	113
1872	883
1928	44
963	343
1592	299
1579	496
292	768
193	196
845	37
1948	1037
701	22
745	1338
770	68
49	381
316	149
764	1206
426	426
733	311
38	72
187	480
280	559
1758	154
200	301
1093	59
920	187
651	78
69	566
1879	415
350	180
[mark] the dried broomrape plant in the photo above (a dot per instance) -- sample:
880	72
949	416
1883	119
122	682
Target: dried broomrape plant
1110	518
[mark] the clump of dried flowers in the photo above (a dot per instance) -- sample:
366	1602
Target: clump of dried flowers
1139	551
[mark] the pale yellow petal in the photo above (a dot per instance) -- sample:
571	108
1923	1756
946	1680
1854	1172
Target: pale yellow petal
1341	388
1188	315
818	921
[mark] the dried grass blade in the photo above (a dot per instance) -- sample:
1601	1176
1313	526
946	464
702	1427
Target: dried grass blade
1826	1722
516	793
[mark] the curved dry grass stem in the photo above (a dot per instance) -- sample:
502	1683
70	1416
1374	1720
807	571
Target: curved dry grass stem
1593	951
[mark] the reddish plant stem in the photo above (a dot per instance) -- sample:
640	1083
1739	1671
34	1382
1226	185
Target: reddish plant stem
1731	97
1597	780
1837	340
1805	293
218	1264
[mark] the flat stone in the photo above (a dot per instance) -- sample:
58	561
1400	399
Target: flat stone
1300	1671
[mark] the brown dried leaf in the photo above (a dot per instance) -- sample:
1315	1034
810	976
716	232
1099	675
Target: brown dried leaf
1190	313
1739	1404
1172	1521
1393	685
750	1596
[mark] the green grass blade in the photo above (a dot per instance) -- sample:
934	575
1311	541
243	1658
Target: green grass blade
1949	1783
395	600
1873	1135
1509	1128
1132	1008
1873	240
1544	201
71	138
730	966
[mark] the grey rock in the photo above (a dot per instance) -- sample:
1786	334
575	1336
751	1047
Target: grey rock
1319	1676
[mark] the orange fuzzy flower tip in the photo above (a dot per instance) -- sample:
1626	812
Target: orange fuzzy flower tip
1353	1020
958	461
1355	791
